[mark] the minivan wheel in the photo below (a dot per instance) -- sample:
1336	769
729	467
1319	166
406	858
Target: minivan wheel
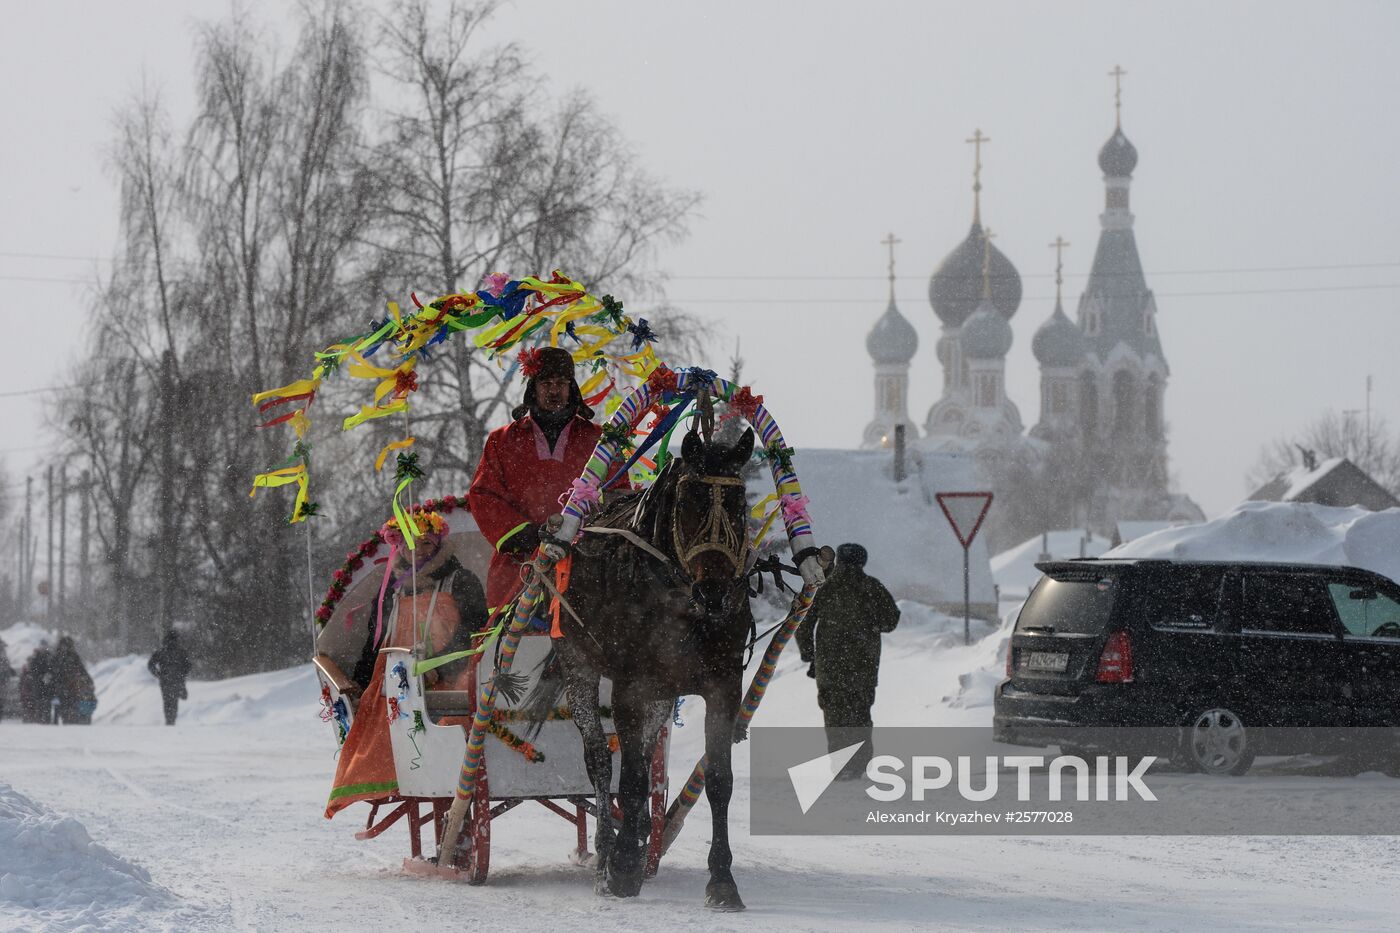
1215	741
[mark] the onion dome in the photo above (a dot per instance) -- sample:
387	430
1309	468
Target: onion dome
986	335
1118	157
1058	343
892	339
956	286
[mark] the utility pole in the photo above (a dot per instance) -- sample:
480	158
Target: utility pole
1368	421
48	583
28	582
83	567
63	548
165	560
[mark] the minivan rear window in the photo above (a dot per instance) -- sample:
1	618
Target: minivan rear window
1070	605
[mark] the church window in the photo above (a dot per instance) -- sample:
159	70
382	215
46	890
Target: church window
1153	413
1059	397
1091	323
1089	403
890	396
1124	402
1147	324
986	390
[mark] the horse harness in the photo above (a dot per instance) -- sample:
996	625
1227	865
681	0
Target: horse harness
717	532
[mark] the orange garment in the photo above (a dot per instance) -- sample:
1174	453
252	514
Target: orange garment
365	769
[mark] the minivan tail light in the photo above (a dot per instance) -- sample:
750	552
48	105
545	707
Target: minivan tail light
1116	660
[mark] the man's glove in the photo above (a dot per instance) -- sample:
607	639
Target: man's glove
812	671
522	544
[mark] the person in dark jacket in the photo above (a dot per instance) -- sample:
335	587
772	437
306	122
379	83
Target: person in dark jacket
840	639
171	666
36	686
7	673
72	685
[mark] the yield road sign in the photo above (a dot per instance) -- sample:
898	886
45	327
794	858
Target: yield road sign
965	511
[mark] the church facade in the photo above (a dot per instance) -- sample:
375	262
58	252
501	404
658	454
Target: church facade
1099	441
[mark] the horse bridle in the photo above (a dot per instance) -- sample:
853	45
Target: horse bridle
717	532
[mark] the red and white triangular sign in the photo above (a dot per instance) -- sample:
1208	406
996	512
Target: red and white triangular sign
965	512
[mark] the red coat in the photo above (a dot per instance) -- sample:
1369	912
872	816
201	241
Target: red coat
518	482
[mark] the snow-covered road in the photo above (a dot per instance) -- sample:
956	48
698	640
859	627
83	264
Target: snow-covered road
225	816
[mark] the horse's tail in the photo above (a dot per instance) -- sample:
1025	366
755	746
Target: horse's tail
545	696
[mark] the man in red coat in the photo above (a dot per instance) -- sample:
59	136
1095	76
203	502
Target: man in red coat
528	464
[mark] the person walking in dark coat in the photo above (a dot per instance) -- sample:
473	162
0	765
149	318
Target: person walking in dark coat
7	673
840	639
72	685
171	666
36	686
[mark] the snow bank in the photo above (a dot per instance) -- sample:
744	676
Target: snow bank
22	638
912	548
53	875
1283	531
127	694
1014	569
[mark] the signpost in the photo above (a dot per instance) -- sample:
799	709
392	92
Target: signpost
965	511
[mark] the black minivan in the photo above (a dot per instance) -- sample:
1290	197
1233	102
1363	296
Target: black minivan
1217	650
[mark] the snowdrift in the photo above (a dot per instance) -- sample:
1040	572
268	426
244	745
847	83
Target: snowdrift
1282	532
51	872
1014	568
127	694
912	548
22	638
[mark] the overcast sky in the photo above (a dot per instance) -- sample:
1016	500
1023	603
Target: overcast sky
1266	190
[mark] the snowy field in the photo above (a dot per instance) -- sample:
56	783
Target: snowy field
216	825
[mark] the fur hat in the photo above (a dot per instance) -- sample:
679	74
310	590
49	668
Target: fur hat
851	555
541	363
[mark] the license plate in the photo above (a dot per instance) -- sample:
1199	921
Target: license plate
1046	661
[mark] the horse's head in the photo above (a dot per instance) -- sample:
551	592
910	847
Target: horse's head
709	520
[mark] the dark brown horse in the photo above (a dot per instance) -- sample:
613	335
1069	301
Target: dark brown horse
662	619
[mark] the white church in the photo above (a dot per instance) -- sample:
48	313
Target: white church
1103	374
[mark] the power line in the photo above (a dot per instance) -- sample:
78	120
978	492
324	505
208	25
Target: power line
58	256
880	301
76	385
1039	275
1221	270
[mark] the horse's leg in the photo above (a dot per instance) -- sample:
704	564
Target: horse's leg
581	687
721	708
625	866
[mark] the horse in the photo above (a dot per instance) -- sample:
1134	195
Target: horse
661	608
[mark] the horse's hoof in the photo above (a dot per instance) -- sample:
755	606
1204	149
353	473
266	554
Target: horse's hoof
723	895
624	883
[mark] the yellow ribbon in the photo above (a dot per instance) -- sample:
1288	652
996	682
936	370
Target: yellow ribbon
295	474
370	412
300	387
383	454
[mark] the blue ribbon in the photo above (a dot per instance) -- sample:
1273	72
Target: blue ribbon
657	433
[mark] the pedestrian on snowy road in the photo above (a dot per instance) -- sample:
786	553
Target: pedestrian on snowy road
36	686
840	639
171	666
72	685
7	674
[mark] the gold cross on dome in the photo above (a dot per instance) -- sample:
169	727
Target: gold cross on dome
1117	75
891	241
1059	247
977	140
